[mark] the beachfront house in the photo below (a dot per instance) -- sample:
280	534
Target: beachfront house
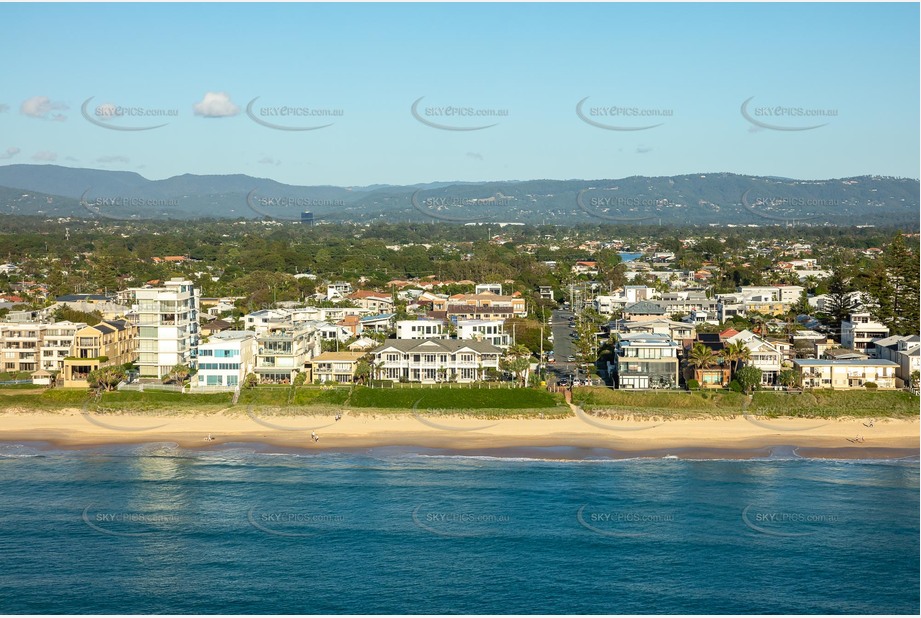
843	374
226	359
435	360
334	366
859	331
645	361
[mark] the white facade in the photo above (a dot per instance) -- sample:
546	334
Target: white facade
167	320
435	360
860	330
492	331
226	359
56	343
420	329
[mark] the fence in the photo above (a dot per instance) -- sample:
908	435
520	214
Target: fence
417	385
12	382
141	387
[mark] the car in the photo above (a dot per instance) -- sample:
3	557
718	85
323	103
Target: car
571	359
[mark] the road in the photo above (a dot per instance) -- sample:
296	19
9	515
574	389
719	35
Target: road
563	345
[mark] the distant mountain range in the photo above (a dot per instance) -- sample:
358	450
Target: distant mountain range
693	199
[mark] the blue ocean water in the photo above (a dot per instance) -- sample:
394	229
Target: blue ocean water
244	529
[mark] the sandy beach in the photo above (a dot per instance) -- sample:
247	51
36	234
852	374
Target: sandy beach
739	437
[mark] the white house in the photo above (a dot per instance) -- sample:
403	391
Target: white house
762	354
226	359
858	332
435	360
492	331
420	329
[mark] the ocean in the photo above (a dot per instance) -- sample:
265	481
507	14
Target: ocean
246	528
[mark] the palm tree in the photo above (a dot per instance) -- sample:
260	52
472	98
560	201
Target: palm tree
736	353
701	356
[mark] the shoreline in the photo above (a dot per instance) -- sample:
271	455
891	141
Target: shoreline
574	437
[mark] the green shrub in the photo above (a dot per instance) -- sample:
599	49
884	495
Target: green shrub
693	385
870	385
735	387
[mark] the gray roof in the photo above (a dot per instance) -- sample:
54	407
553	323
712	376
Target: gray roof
449	346
807	362
645	307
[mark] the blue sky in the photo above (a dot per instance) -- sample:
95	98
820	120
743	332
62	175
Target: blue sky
690	66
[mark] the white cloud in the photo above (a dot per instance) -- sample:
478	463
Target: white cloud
42	107
216	105
475	155
643	149
45	155
10	153
269	161
4	108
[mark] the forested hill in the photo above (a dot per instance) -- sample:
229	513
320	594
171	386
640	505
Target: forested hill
695	199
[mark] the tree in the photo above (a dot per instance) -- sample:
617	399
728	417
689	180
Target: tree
841	303
179	373
893	283
787	378
915	378
701	356
106	378
250	381
748	378
516	360
362	371
736	353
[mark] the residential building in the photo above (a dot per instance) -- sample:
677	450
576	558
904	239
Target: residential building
762	354
109	343
380	323
335	366
167	321
435	360
858	332
488	288
646	361
420	329
338	290
226	359
811	373
492	331
378	302
717	375
283	352
644	310
57	341
21	343
678	331
486	306
902	349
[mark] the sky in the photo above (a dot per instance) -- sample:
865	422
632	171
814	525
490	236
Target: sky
807	91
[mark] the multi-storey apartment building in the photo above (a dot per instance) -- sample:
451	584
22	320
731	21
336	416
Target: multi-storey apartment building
167	321
109	343
646	360
57	341
21	344
811	373
435	360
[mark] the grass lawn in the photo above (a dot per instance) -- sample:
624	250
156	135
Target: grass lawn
454	398
828	403
658	403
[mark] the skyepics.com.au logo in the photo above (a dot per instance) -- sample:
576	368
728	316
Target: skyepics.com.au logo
462	209
125	523
428	422
126	118
456	117
292	117
123	208
91	414
460	522
293	523
786	523
621	117
621	523
272	418
785	117
787	209
290	208
602	204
